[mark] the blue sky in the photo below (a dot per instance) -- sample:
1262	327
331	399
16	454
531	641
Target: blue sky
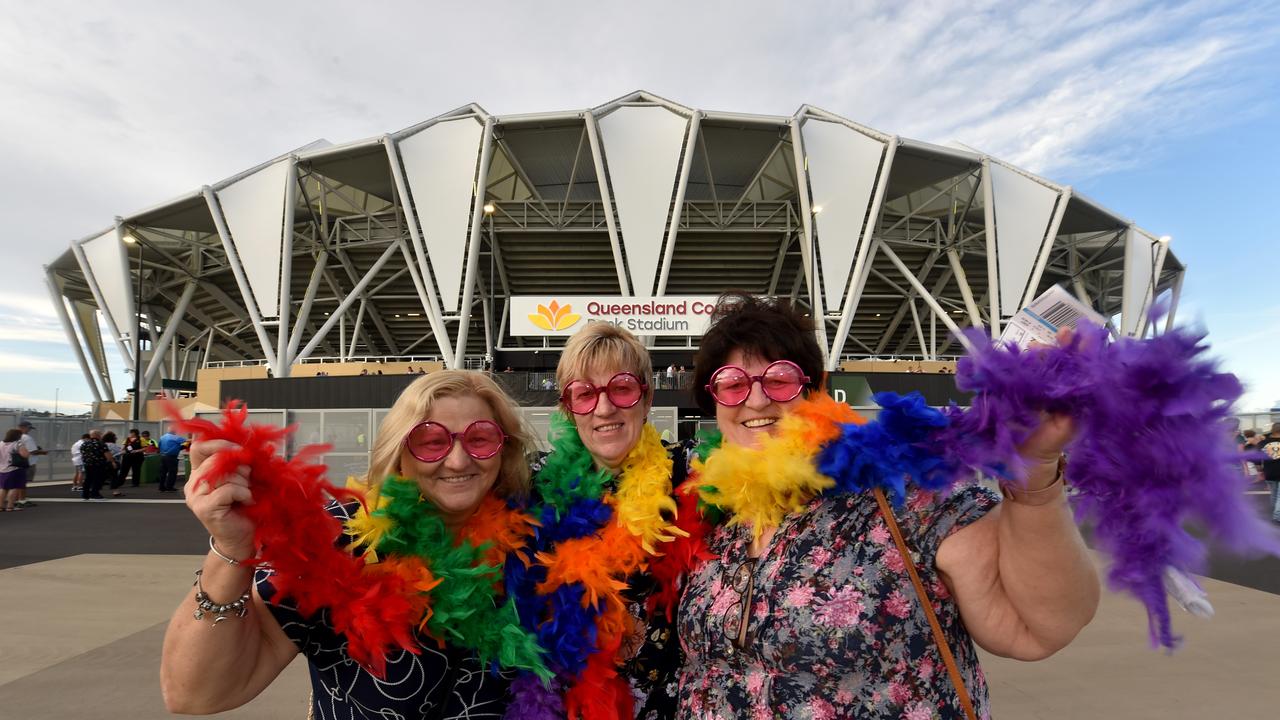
1164	112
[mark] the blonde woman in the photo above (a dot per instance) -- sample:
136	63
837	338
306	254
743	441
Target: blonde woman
455	435
603	498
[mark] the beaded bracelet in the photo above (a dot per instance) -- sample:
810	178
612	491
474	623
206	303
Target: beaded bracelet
206	605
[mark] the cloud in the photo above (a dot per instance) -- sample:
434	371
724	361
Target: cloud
25	402
15	361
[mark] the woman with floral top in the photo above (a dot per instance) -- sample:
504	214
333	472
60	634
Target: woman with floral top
815	616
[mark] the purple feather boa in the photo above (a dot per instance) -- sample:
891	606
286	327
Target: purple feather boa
1153	448
533	700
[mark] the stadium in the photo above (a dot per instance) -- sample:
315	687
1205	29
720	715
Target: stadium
475	240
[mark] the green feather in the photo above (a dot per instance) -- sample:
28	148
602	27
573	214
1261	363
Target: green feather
467	609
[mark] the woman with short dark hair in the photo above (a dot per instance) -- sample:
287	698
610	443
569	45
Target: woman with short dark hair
806	607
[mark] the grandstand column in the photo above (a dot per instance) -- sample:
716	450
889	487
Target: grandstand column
59	306
922	292
237	270
862	264
473	243
304	313
1046	247
682	184
170	329
286	266
421	278
606	199
807	255
993	265
347	301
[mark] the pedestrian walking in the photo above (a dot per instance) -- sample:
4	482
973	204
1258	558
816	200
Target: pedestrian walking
1270	448
98	466
34	452
171	444
130	461
78	461
14	458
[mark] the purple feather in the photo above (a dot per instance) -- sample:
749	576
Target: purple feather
1153	449
532	700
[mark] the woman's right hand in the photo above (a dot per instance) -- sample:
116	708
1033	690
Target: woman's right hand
216	502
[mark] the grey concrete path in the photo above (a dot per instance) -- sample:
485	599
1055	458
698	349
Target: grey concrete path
87	588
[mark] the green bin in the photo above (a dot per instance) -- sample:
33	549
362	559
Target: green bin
150	469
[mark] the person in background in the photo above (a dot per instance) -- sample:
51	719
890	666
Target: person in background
34	450
171	444
78	462
98	466
1245	441
149	445
132	460
1269	446
13	476
117	453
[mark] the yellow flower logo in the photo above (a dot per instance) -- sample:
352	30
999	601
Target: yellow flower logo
554	316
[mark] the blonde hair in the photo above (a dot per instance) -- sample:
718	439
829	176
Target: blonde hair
414	405
602	345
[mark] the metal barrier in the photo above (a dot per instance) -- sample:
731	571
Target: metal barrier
58	434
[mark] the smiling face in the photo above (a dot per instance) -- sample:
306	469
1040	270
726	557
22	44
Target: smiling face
458	483
610	432
745	424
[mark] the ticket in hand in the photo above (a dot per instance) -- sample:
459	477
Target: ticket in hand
1040	321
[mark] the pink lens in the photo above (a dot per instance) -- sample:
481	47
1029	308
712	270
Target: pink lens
432	442
624	391
782	381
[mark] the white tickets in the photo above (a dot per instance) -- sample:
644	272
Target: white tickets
1040	321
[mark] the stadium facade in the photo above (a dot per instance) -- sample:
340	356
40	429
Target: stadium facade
432	243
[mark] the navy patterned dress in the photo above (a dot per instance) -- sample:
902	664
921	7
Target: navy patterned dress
438	684
834	628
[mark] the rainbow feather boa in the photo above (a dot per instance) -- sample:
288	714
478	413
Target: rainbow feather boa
595	532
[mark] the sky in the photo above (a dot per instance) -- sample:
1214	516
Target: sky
1166	113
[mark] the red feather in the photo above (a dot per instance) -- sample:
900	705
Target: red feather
298	538
683	554
599	694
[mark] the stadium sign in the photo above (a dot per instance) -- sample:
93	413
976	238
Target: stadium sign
565	314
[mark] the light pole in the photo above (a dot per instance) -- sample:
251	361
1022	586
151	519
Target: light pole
137	336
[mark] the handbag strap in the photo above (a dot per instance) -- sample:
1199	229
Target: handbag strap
943	648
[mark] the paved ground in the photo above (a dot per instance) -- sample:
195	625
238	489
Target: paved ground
87	588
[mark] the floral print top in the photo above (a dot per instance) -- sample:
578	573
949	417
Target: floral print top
834	629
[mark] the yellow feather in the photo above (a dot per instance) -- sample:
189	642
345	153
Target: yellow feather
760	485
644	492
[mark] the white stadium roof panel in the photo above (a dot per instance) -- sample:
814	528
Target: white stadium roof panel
356	286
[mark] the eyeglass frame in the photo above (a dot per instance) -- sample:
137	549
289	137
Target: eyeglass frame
743	605
454	437
805	380
604	389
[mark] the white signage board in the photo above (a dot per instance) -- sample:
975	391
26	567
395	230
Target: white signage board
563	315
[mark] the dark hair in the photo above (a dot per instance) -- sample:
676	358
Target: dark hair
12	435
147	433
109	437
84	436
133	431
767	328
1250	433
